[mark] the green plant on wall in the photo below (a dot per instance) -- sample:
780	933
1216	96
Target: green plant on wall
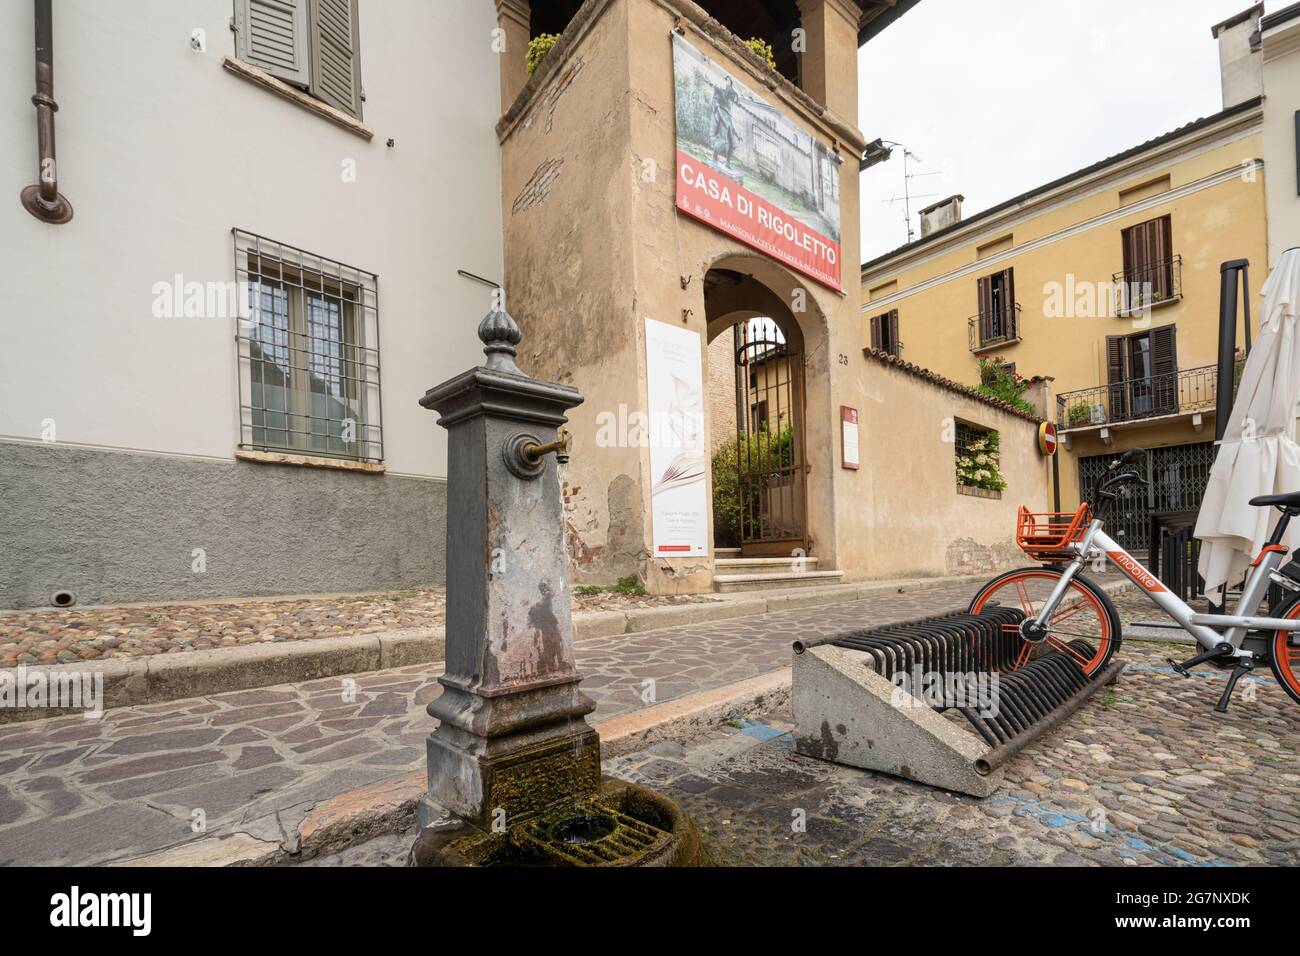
1000	382
538	47
979	464
764	50
760	451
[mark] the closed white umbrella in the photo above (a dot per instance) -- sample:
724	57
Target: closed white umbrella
1258	454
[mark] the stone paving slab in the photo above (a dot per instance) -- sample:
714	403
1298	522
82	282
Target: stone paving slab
256	761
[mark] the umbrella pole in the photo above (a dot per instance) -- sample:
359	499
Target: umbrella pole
1228	282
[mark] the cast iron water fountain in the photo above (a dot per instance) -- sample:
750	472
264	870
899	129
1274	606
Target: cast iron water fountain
514	767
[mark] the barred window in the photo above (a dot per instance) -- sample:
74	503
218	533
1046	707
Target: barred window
308	353
978	457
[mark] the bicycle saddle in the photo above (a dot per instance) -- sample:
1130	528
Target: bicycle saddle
1289	500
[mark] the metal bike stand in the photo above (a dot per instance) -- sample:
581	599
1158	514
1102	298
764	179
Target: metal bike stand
859	700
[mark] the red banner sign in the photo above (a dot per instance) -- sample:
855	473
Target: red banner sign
731	208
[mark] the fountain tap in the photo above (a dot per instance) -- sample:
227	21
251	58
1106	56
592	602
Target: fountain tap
532	453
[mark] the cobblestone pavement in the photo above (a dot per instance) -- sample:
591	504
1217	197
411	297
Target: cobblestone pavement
1144	774
48	636
1178	783
76	790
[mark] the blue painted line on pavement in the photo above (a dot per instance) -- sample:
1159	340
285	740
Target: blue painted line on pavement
1127	845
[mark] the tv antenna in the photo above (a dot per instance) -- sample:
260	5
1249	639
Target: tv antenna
909	158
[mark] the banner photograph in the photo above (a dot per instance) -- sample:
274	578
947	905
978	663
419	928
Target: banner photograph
746	170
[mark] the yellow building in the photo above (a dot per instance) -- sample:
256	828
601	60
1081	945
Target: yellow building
1106	282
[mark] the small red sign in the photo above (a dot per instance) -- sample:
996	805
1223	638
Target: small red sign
1047	439
849	454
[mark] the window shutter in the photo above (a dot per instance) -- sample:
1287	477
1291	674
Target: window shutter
894	347
1164	351
272	35
1164	368
1115	359
1008	319
335	54
1162	280
875	331
1116	375
985	288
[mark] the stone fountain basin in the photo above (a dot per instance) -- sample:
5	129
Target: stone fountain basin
622	824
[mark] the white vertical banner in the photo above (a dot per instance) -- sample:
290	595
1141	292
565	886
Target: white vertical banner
675	403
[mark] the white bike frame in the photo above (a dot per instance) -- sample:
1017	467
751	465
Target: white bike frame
1210	630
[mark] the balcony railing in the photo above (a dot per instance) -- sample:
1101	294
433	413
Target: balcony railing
1187	390
993	329
1148	286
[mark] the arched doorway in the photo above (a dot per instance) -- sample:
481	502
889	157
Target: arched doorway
767	503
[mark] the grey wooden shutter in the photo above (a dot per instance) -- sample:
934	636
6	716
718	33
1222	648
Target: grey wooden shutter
335	54
272	35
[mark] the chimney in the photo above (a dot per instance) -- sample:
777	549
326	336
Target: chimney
1240	61
944	213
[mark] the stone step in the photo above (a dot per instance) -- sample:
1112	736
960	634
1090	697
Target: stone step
726	583
772	565
720	553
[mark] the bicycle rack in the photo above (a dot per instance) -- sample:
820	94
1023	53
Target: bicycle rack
860	698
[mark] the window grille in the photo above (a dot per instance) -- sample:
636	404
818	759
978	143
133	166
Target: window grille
308	353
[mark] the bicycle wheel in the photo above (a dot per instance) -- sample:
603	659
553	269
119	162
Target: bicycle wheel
1084	614
1284	651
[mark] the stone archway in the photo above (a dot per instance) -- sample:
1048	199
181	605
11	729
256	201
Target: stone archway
765	320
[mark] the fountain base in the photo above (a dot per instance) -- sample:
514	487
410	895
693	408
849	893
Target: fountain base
621	824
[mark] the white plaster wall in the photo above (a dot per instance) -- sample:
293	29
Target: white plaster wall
161	152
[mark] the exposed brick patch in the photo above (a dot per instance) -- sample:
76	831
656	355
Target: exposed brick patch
535	191
968	556
560	87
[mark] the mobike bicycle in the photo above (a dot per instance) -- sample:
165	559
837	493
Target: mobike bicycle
1062	607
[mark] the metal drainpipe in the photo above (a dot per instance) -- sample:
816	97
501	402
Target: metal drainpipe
43	200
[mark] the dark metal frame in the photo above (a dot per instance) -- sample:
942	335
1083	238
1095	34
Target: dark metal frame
1130	285
1009	323
765	482
1187	390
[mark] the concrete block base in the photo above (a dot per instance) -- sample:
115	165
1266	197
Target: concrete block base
848	713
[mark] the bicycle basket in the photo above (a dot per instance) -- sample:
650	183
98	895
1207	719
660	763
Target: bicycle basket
1049	534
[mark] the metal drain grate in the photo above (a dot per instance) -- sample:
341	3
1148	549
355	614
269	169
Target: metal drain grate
628	838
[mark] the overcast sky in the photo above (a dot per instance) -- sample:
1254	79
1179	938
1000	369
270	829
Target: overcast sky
999	96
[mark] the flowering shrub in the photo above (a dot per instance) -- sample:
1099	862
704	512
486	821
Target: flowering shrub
979	464
998	381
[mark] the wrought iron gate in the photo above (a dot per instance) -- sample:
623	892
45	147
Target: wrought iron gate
1177	475
769	441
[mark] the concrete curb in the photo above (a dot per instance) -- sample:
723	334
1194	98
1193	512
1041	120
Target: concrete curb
164	677
389	805
149	680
